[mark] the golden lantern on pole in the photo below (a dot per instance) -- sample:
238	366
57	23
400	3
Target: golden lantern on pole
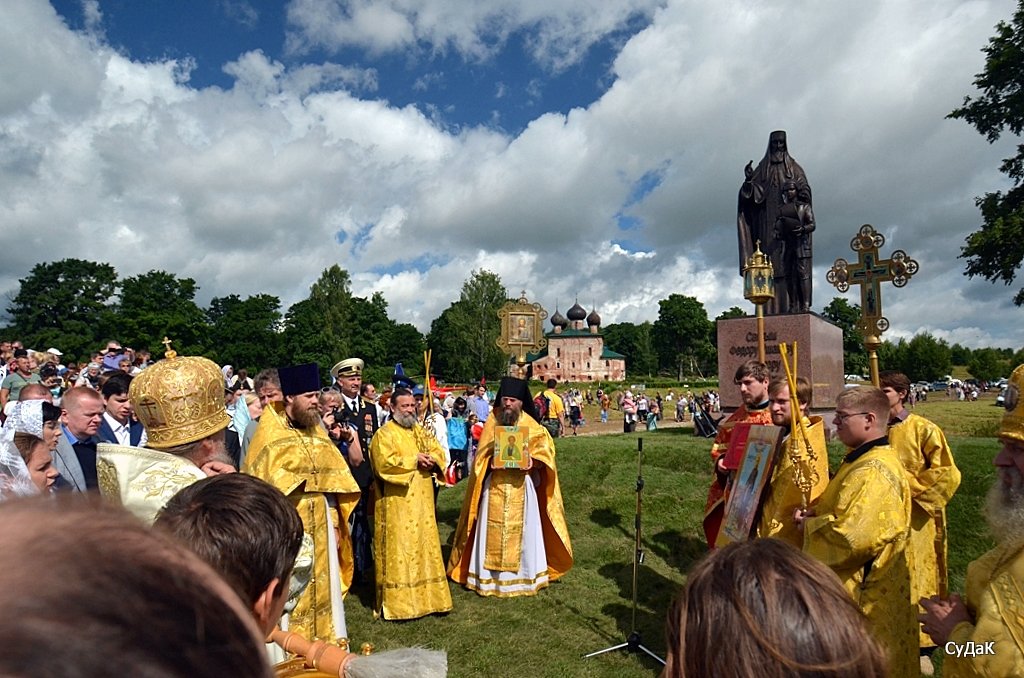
759	288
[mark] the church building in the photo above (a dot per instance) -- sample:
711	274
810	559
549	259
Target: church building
575	353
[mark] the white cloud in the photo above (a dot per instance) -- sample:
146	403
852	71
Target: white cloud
557	34
247	189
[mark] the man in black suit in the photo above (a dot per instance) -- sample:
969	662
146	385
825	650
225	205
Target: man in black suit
363	417
119	425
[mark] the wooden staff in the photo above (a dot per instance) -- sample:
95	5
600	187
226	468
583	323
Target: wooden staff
428	393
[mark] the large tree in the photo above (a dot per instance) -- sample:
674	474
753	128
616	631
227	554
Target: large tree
381	342
448	357
158	304
463	337
369	329
318	329
682	335
65	304
244	332
406	346
996	250
846	316
959	354
922	358
928	358
634	342
987	364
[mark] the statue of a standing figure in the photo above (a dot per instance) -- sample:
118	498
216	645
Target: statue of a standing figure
793	227
760	205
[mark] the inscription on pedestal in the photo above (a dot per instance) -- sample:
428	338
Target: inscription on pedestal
820	354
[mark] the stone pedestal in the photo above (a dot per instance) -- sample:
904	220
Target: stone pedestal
819	346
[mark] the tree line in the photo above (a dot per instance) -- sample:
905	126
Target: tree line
77	305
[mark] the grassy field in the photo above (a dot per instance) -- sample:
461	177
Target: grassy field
590	608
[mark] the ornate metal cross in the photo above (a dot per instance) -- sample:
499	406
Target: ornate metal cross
870	272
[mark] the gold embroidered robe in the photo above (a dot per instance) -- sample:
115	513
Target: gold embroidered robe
995	597
783	496
411	579
933	478
142	480
860	530
306	466
507	487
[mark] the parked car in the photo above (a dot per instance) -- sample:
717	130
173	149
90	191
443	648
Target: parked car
939	385
1001	398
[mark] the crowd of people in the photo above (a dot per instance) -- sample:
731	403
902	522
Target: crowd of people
358	474
835	576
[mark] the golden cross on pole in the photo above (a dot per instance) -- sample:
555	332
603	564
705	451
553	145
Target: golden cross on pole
870	272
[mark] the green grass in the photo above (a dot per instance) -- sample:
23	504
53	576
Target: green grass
590	608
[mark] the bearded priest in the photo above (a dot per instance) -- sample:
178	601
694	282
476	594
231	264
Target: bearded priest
407	460
293	452
982	633
512	539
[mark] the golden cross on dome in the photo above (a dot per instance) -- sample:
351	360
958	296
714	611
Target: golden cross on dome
168	352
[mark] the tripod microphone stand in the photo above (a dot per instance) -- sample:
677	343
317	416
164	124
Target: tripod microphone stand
634	642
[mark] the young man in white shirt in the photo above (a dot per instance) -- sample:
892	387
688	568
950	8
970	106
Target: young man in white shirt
119	425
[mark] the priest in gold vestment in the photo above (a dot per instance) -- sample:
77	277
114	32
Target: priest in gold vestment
512	539
861	524
784	495
933	478
407	459
292	451
180	402
992	616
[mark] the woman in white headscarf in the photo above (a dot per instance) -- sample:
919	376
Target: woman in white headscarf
26	444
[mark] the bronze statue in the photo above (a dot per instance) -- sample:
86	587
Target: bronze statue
793	227
758	212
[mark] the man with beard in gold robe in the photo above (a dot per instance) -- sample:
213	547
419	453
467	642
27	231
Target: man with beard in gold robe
512	539
292	451
934	479
861	524
406	459
992	616
784	495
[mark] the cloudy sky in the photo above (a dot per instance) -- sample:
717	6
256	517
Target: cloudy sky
578	148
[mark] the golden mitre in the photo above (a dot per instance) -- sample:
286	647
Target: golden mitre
179	400
1012	425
